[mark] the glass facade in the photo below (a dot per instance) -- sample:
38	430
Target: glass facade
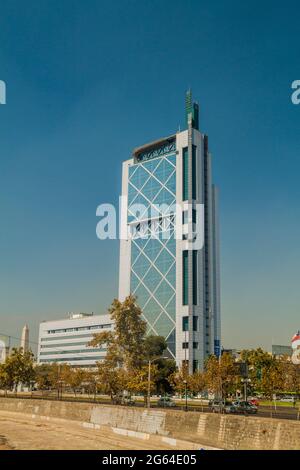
152	184
185	277
185	174
195	276
194	172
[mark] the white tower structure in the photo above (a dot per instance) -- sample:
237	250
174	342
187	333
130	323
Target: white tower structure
25	338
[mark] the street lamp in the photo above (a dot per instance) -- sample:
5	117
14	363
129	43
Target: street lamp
185	384
150	361
245	382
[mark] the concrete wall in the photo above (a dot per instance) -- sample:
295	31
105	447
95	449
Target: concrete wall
221	431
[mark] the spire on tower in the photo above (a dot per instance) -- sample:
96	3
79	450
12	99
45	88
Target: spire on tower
191	109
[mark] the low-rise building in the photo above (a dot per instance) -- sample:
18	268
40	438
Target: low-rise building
66	341
280	350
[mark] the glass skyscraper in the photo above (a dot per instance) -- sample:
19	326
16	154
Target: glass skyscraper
175	279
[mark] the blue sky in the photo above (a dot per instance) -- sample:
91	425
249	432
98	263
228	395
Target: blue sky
87	82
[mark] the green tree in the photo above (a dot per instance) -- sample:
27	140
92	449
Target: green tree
19	368
129	351
257	360
154	346
125	344
6	382
165	368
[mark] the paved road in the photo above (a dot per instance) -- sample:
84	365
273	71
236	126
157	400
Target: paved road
22	432
283	412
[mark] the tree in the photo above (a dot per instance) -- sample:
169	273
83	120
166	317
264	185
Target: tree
197	382
6	382
129	350
125	344
42	377
179	379
19	368
111	380
138	380
272	380
58	376
74	378
154	346
256	360
165	368
220	375
292	377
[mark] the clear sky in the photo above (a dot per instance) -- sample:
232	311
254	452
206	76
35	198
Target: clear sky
89	80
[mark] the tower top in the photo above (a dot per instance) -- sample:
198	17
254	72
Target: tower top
191	109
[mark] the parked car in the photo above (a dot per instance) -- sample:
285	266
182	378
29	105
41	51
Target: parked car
287	399
165	402
128	401
219	406
253	401
120	400
245	407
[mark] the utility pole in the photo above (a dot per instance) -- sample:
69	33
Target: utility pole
149	383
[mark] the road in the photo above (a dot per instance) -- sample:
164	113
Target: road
282	412
22	432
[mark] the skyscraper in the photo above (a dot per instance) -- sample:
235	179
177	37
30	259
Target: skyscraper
167	191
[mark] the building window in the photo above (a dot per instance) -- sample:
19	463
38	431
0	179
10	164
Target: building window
195	345
185	345
185	323
185	217
195	283
185	174
195	323
194	216
185	277
195	366
194	173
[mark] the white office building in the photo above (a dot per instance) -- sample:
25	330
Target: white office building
66	341
176	282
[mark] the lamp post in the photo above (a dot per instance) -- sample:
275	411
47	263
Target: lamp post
185	384
245	382
149	383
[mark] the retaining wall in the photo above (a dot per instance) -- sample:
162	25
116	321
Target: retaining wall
221	431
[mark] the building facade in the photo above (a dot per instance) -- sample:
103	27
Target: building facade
280	350
167	190
66	341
